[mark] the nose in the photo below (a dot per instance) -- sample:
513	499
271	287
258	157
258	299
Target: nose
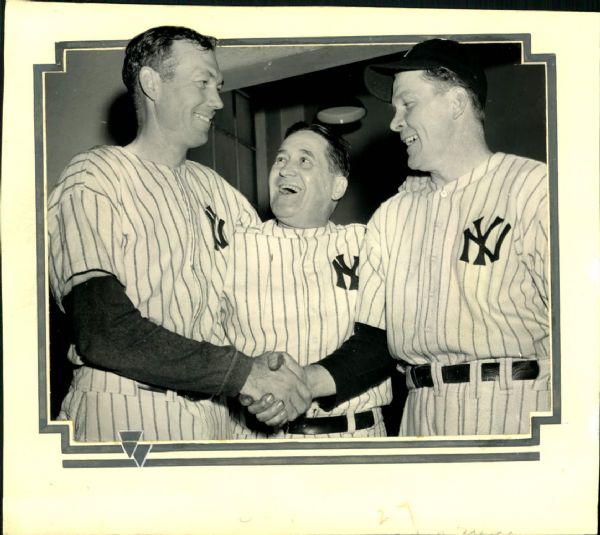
398	120
215	99
287	169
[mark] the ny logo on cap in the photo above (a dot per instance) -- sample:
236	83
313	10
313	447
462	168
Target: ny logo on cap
480	238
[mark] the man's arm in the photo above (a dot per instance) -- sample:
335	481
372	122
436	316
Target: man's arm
85	238
110	333
360	363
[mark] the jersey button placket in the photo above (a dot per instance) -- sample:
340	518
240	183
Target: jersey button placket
191	241
440	203
302	248
424	313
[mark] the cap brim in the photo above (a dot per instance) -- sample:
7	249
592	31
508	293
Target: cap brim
379	79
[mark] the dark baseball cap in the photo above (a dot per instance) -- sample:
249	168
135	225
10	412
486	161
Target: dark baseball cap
455	56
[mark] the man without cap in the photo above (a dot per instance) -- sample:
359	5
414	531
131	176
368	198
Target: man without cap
138	242
455	266
292	283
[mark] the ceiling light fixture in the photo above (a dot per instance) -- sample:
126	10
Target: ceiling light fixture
342	112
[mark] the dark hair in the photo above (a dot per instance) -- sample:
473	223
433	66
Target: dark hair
337	147
152	48
448	78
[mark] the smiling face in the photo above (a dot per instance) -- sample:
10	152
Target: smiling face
423	118
303	188
187	95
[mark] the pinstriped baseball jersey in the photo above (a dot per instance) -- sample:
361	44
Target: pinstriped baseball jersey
457	273
158	230
295	290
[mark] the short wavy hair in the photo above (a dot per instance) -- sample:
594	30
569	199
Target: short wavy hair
447	78
153	48
338	149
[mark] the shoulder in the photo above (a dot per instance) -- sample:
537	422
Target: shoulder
89	159
413	185
223	190
203	171
210	178
390	207
518	168
255	228
351	236
350	229
103	155
525	179
97	169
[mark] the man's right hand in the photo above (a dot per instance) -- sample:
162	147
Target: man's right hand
284	381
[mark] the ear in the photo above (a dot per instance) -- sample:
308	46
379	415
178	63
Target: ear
149	82
340	183
459	101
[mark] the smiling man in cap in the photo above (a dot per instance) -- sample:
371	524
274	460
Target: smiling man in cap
454	267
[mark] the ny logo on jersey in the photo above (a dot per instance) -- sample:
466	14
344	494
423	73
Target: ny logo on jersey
480	238
217	228
342	269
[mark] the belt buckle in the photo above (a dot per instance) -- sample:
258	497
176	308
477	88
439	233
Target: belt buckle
421	375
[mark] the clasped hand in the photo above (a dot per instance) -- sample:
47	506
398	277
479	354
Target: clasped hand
276	389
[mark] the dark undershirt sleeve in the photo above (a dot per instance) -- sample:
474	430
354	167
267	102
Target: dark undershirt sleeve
359	363
110	333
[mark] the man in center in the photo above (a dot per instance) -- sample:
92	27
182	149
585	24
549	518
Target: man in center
292	283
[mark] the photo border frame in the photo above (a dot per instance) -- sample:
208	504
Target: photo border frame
290	451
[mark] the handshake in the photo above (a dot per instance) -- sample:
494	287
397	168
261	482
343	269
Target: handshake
278	389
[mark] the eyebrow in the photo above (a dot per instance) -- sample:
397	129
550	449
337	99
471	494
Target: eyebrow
404	94
207	72
308	152
304	151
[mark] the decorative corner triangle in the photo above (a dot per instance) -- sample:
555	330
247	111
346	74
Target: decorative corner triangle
129	448
140	453
131	436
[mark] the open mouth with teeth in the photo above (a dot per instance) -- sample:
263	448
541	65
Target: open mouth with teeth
204	118
410	140
289	189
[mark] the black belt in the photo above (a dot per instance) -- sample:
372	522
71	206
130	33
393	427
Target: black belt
461	373
190	396
329	424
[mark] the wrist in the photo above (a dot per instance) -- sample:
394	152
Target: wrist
250	387
319	381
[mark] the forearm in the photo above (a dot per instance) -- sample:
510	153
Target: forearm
110	333
360	363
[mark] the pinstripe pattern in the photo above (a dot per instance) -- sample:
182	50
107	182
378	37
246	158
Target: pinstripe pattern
439	309
281	294
146	224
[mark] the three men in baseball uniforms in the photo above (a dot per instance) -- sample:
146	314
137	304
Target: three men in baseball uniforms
455	266
292	282
146	251
137	237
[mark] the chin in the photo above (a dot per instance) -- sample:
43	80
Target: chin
415	165
198	140
413	162
285	221
282	212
